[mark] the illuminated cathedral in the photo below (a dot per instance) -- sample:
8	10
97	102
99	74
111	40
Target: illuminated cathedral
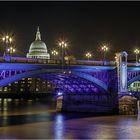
38	48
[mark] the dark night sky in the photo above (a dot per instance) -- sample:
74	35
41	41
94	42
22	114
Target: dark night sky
86	25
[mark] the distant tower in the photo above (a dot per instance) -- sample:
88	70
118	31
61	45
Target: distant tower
121	59
38	48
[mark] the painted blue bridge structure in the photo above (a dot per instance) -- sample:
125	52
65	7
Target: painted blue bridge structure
73	78
86	85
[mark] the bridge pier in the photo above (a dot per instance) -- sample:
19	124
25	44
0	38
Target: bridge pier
59	103
97	104
93	103
127	103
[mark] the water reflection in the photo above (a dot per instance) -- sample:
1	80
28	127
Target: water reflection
37	119
16	106
58	128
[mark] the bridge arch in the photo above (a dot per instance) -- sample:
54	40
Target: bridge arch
37	73
17	77
137	78
92	79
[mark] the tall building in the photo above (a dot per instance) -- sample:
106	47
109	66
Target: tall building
38	48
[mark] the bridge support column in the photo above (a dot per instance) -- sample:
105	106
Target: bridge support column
88	103
127	103
59	103
121	59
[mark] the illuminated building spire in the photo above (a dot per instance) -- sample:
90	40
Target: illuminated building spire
38	35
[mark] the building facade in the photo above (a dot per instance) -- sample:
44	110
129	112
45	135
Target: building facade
28	85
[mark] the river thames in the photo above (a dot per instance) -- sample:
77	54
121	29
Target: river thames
37	119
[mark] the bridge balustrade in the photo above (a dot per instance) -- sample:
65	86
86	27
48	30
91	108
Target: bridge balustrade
94	63
29	60
57	61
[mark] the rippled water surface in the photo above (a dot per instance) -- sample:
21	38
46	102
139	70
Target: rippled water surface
24	119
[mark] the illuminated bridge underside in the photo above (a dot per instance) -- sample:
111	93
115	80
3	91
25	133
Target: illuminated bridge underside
133	76
91	79
76	82
73	84
7	77
137	78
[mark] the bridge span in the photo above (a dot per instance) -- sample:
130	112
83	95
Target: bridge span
90	85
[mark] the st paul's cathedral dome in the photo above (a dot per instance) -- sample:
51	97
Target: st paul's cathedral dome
38	48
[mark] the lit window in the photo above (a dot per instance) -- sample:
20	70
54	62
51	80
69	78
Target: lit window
29	78
21	89
5	89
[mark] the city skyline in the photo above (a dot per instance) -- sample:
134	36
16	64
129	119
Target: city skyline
86	25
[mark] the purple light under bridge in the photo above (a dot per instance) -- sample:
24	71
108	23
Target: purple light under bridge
70	83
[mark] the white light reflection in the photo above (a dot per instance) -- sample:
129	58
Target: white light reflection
59	127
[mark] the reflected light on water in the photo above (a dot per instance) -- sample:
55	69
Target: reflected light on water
59	127
26	119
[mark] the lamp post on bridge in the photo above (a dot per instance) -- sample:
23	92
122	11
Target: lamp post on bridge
54	54
136	51
88	55
7	40
63	45
105	49
11	50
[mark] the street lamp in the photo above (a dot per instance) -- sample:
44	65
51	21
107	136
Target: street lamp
7	40
136	51
63	45
105	49
54	53
88	55
11	50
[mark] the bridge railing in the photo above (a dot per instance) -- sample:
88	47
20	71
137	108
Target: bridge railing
133	64
52	61
91	62
28	60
